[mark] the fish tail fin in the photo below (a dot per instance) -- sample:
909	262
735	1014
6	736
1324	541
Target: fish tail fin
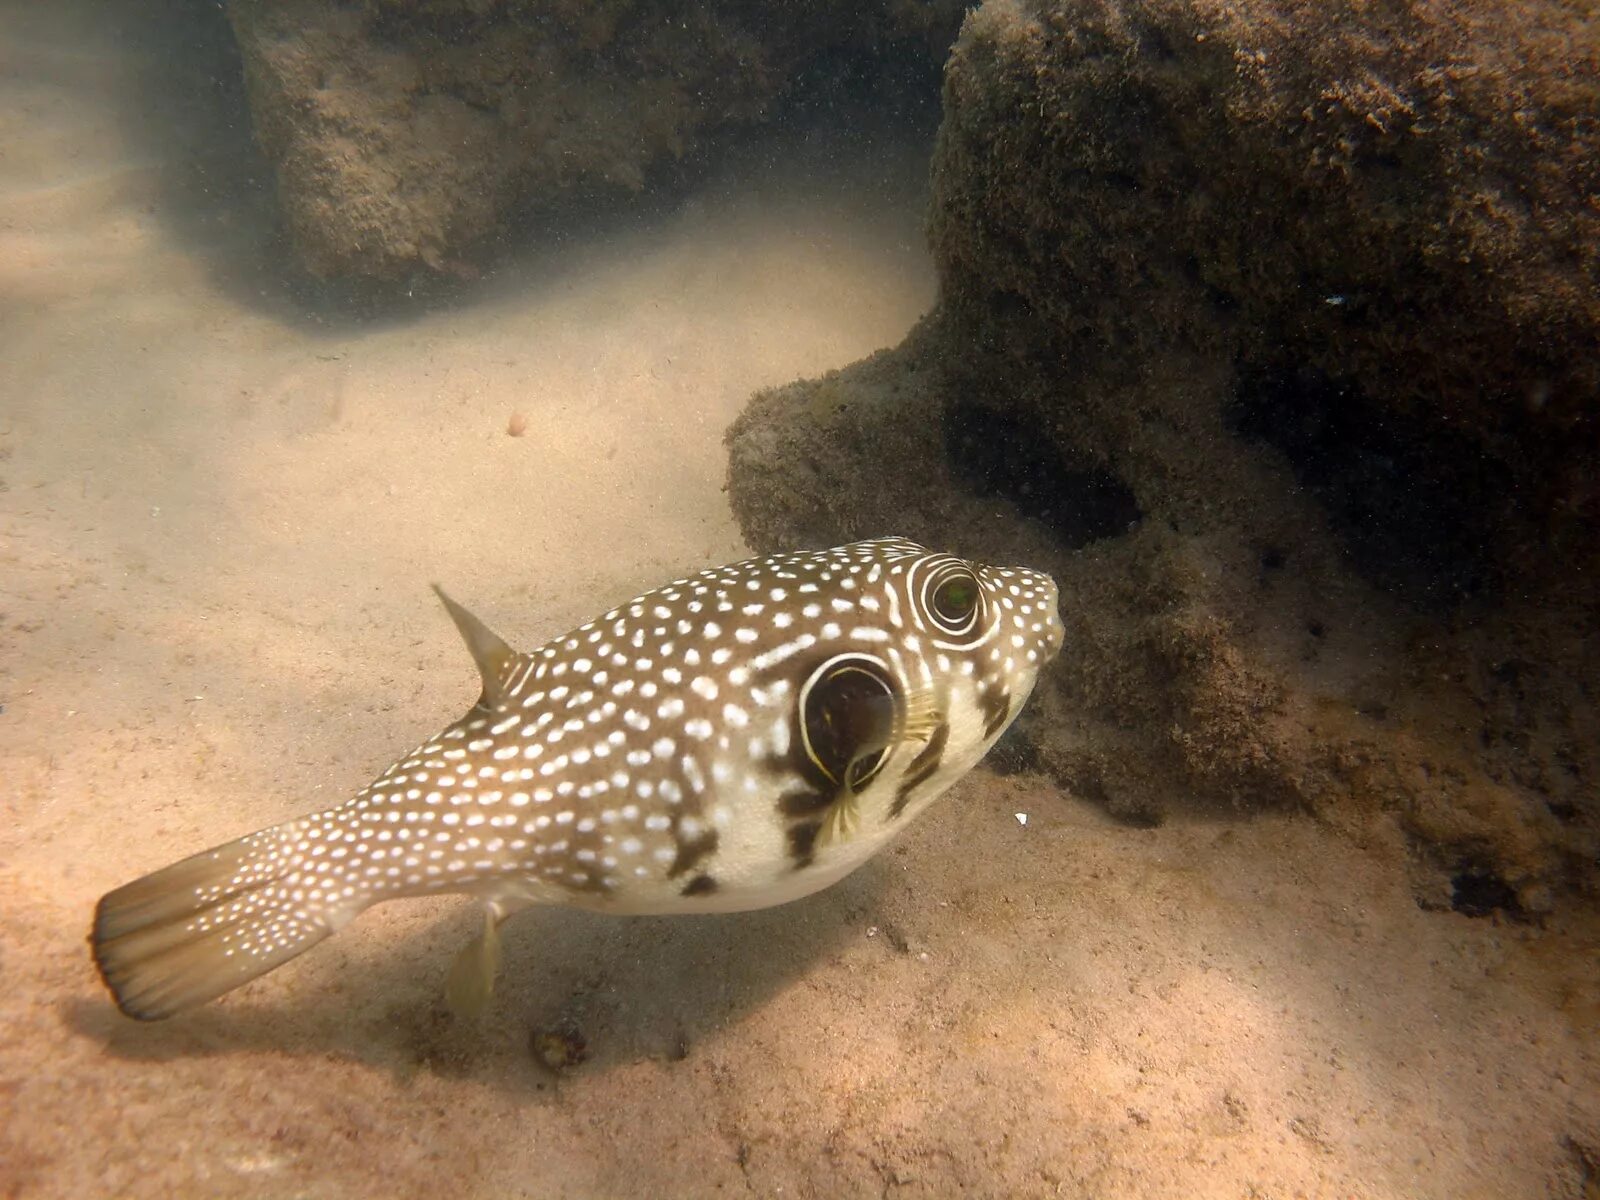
205	925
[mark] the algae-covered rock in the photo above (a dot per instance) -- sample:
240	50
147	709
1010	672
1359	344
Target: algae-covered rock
404	132
1270	328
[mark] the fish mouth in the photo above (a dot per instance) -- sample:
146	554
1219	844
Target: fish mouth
1055	631
1056	639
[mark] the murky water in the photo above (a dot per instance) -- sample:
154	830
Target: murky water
226	491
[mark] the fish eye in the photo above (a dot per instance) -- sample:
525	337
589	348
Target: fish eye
955	598
950	600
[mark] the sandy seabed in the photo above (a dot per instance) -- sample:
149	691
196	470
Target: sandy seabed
220	514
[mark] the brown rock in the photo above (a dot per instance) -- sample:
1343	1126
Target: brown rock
1270	329
405	132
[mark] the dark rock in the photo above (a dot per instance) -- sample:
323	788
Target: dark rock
405	132
1288	315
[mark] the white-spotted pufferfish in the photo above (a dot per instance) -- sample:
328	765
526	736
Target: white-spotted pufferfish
733	740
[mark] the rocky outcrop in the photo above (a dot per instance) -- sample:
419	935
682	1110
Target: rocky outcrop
405	132
1270	328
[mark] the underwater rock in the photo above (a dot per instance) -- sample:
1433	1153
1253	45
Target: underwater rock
403	132
1269	329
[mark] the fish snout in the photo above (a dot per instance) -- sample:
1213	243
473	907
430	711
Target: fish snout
1055	633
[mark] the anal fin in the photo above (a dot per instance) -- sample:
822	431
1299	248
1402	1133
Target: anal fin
470	985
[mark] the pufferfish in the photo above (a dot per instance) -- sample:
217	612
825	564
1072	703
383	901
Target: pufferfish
733	740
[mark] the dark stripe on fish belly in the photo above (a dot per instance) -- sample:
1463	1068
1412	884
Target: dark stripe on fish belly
803	807
803	842
691	851
996	707
921	768
700	885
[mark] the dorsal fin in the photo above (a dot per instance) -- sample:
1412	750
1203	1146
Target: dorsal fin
487	647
